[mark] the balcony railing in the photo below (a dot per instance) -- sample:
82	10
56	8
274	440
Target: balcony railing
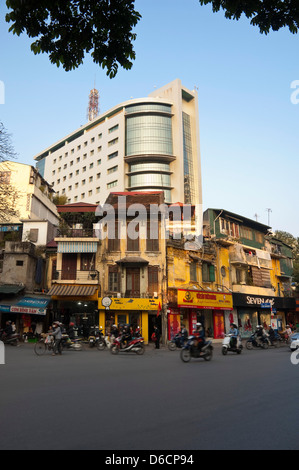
76	275
78	233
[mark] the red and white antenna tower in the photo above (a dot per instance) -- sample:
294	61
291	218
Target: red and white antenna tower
93	104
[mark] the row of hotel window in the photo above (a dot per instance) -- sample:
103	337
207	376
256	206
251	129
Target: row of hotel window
110	171
92	141
84	168
110	185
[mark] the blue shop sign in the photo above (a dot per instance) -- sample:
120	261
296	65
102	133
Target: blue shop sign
5	308
31	302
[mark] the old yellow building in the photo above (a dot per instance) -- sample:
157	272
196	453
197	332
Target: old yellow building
132	264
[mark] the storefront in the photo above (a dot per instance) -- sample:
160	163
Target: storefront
253	310
142	313
77	304
29	314
209	308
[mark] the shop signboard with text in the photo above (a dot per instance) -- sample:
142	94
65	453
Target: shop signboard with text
204	299
132	304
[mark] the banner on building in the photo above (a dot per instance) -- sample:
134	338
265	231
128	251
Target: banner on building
204	299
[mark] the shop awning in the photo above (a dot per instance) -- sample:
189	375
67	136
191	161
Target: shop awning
132	261
11	289
77	247
72	291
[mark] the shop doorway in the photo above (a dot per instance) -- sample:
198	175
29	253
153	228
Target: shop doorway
152	321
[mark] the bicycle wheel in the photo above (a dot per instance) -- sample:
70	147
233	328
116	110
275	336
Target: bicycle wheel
40	348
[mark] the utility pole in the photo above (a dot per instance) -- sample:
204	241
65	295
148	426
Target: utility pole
269	210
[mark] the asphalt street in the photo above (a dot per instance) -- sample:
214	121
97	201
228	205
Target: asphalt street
92	400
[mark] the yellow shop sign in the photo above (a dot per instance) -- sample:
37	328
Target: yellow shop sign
204	299
132	304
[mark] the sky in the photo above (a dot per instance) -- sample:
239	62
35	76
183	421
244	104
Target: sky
248	112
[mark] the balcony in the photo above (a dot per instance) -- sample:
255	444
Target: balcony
76	276
78	233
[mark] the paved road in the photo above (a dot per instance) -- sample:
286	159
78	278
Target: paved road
93	400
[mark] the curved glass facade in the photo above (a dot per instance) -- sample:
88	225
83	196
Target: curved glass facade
149	166
148	135
147	180
149	107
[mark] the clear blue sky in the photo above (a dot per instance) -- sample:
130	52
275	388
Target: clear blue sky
248	125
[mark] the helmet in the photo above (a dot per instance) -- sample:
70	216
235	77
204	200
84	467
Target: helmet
72	324
198	324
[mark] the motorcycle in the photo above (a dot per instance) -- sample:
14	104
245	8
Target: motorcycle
74	344
253	342
134	345
176	342
227	346
103	343
13	339
191	350
95	338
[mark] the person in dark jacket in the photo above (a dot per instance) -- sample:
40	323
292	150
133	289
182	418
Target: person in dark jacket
71	331
157	337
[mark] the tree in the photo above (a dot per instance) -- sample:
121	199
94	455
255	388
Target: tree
69	28
8	194
293	243
266	14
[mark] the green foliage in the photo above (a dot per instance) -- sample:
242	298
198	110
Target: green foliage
266	14
68	29
60	200
293	242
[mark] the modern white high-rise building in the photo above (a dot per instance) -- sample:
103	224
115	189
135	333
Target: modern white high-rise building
140	145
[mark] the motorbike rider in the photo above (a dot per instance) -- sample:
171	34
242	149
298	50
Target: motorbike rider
114	332
260	334
126	336
200	335
271	334
8	331
234	332
71	331
183	335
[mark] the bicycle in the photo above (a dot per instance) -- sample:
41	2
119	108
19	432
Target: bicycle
45	344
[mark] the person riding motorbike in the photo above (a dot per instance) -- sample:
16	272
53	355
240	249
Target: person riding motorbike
71	331
234	332
114	333
271	334
260	334
199	333
8	331
126	336
183	335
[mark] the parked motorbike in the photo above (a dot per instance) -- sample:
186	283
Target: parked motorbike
176	342
191	350
95	337
227	345
135	345
103	343
13	339
254	342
